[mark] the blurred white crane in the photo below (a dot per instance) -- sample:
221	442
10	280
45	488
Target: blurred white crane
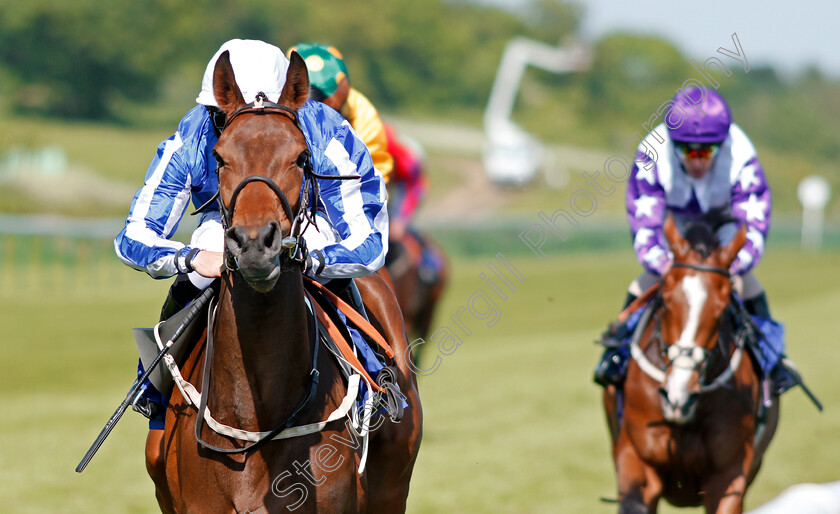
512	155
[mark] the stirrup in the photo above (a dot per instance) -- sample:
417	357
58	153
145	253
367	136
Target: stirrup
144	406
610	370
784	376
391	396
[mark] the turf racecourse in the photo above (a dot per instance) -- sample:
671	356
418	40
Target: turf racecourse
512	420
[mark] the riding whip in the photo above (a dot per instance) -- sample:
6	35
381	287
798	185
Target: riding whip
196	307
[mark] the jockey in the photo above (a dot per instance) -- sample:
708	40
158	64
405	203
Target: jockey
407	185
352	241
329	83
405	191
705	163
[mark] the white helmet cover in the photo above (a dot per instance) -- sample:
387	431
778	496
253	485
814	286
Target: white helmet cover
257	66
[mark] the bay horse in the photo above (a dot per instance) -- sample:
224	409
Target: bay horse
267	376
696	417
416	295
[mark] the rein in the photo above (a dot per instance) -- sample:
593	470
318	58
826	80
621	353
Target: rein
310	190
314	376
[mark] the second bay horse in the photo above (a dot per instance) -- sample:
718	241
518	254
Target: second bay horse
695	422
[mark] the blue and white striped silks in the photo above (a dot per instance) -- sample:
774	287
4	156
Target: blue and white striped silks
352	214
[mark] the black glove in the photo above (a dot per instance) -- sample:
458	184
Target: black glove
314	265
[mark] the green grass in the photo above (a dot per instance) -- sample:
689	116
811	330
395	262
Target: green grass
512	420
112	151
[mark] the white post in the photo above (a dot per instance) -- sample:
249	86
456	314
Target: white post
814	193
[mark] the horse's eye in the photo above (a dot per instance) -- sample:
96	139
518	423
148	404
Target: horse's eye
219	161
301	159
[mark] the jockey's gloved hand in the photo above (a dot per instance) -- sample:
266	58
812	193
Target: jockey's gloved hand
314	262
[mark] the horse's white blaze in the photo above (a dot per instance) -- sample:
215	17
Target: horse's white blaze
676	385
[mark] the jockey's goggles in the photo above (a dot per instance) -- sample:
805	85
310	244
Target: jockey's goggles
702	151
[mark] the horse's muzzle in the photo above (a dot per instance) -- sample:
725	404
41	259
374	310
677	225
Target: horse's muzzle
257	253
679	413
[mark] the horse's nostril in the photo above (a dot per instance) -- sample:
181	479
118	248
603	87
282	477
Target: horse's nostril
234	236
268	240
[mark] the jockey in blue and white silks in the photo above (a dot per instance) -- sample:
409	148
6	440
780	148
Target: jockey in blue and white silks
351	237
695	163
353	211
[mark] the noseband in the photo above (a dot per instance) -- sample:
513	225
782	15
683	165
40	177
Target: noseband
310	193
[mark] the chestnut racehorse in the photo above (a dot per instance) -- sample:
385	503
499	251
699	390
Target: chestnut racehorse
695	421
416	295
267	373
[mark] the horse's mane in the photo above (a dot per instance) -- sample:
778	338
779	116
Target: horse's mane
701	233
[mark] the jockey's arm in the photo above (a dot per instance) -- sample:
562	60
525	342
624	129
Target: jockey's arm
646	215
157	208
415	188
751	204
355	208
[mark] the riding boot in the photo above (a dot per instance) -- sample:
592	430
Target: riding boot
148	401
758	306
352	296
180	294
784	376
612	366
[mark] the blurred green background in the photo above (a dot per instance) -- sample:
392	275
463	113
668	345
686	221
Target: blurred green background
513	423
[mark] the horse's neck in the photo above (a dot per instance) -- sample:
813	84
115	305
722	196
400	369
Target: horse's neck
262	357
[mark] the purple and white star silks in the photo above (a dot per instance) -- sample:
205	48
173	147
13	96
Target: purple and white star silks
736	179
751	204
645	205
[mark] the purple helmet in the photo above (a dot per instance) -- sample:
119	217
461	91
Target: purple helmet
709	126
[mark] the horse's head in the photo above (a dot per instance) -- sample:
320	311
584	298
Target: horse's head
695	293
261	156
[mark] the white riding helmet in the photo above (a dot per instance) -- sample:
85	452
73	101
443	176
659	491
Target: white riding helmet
257	66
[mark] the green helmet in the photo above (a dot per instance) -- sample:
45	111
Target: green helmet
325	65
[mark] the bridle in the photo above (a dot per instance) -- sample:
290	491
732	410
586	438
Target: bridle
296	251
294	243
685	357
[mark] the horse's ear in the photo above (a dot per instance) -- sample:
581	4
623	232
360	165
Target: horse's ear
225	88
296	88
730	251
679	246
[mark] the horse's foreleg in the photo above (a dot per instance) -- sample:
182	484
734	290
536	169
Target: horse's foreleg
772	420
725	491
156	466
611	411
394	446
639	487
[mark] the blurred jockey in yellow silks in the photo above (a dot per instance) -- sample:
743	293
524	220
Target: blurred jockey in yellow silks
329	83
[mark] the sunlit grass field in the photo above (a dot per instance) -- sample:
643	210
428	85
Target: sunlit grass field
512	420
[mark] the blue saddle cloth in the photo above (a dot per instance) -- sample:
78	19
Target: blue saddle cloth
771	343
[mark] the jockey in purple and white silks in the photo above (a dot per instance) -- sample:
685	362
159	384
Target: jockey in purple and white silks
352	218
695	163
705	164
